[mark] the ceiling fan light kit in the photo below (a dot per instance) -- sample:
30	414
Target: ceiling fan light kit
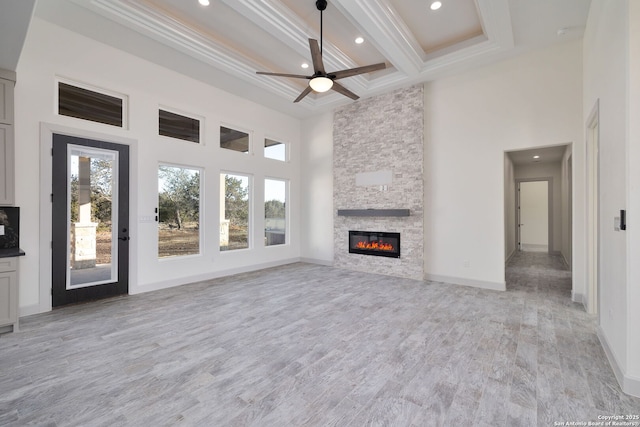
321	81
320	84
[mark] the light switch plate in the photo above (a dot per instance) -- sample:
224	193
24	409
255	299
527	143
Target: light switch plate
1	230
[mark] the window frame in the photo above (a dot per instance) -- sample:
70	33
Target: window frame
102	91
250	149
287	210
250	200
200	119
280	141
201	203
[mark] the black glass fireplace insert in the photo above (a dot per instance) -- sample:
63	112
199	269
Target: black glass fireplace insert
376	243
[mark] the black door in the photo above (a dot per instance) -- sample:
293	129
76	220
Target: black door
90	247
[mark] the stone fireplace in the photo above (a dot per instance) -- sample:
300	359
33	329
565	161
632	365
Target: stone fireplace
379	181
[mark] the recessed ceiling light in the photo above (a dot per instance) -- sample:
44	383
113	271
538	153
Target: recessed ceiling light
536	157
359	40
436	5
305	65
204	2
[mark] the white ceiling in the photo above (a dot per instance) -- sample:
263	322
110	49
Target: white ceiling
545	155
225	43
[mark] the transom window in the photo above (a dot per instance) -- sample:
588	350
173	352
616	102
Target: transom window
275	150
87	104
178	126
232	139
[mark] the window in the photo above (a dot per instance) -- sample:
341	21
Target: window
81	103
177	126
178	211
234	212
235	140
275	150
275	212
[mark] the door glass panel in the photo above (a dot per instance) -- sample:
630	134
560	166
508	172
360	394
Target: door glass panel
93	223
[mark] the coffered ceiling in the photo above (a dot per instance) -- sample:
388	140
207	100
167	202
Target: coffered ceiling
225	43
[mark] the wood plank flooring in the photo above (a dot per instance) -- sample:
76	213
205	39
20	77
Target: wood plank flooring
308	345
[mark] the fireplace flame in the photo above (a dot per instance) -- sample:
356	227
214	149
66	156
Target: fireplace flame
376	246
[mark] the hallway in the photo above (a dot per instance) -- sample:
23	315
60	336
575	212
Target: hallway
573	375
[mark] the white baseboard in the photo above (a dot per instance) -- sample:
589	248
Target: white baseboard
513	252
156	286
577	297
564	258
628	384
532	247
317	261
30	310
494	286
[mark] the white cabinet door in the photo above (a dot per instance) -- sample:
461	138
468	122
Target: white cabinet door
6	165
8	298
6	101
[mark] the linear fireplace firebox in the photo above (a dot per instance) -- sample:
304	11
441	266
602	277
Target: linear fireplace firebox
377	243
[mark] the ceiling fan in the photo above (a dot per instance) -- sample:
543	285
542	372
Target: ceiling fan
320	80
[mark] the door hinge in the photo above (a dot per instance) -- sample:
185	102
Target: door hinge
51	197
52	152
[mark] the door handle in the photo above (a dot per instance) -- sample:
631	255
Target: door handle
124	238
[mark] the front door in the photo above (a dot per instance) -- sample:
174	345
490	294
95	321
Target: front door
90	247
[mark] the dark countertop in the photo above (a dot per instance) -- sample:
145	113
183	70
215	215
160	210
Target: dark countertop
7	253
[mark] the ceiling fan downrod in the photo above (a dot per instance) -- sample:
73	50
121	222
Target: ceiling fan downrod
321	5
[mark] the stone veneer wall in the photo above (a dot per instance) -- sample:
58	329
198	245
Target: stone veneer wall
380	134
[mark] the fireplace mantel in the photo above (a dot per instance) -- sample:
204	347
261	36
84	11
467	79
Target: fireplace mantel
373	212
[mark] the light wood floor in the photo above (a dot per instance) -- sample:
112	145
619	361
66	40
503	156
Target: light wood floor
313	345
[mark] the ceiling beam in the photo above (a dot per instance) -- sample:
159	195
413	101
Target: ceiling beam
386	31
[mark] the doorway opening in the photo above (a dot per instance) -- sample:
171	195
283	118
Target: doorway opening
538	214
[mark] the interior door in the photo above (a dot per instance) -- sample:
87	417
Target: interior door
534	216
90	218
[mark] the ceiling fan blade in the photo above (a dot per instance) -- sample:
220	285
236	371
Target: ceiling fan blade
359	70
316	56
295	76
343	90
304	93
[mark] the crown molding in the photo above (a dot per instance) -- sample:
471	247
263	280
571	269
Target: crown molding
374	18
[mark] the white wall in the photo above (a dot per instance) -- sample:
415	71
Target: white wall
471	119
611	74
547	170
633	199
317	210
566	199
605	56
52	51
509	208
